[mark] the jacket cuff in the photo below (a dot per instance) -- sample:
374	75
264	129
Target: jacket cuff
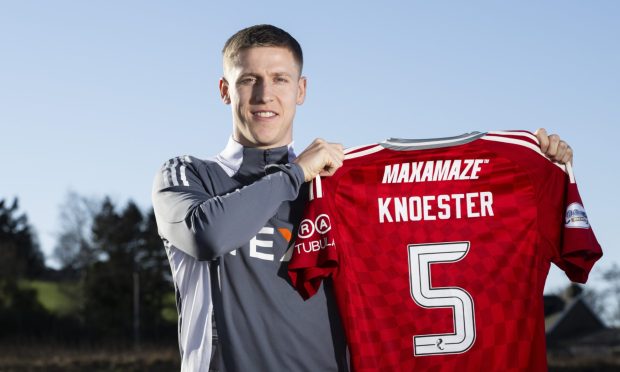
293	170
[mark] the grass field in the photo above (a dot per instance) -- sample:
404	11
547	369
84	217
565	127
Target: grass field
59	298
62	298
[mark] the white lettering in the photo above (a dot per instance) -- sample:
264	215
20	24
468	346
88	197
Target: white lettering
470	204
468	164
442	203
384	212
441	170
416	169
477	168
432	207
404	173
428	172
390	174
313	246
486	203
306	229
400	209
415	208
458	198
434	170
427	207
322	224
255	243
454	171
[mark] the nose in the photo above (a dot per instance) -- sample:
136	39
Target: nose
263	92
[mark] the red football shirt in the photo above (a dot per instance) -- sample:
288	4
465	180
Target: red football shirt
439	250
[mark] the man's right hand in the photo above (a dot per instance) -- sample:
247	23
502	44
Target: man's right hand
320	158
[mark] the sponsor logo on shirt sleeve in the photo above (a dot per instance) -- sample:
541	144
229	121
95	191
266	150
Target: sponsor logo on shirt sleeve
308	228
576	217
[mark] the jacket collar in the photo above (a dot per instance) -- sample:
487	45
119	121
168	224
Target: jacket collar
235	155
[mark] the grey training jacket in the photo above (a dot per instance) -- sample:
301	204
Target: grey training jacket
228	225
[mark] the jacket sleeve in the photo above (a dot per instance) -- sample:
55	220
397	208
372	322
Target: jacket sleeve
207	226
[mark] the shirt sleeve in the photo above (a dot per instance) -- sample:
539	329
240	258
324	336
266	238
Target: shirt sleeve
564	226
315	254
205	225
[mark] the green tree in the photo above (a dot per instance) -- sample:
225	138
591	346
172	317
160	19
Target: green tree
124	289
108	285
155	280
20	258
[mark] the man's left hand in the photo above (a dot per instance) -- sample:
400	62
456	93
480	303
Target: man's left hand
555	148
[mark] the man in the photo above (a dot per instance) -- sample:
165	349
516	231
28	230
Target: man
227	222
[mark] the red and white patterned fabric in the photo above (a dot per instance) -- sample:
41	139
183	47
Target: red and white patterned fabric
439	250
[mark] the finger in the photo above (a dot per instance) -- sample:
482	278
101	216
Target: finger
336	154
328	172
543	139
566	159
336	148
339	157
331	168
568	156
554	141
335	164
562	147
309	173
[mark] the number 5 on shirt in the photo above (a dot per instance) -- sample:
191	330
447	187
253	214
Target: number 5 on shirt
421	256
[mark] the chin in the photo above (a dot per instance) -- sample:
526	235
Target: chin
268	144
267	140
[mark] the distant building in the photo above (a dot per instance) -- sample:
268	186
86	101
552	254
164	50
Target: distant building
569	317
577	338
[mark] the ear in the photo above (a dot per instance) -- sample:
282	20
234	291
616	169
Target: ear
224	93
301	90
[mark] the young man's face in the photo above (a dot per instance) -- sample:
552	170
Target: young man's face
263	87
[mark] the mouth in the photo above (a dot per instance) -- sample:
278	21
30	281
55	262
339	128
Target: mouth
264	114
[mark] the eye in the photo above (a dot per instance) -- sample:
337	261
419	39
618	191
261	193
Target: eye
281	79
247	80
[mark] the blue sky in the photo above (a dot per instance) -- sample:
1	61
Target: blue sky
95	95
